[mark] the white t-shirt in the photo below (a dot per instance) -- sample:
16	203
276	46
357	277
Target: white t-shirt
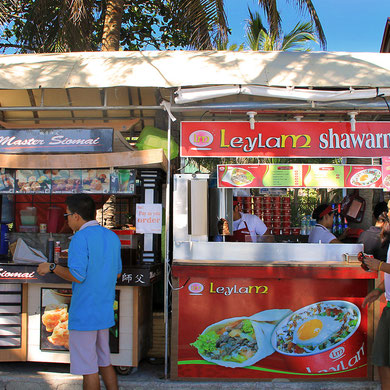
255	225
320	233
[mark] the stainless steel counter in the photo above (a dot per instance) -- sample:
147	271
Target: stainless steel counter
263	252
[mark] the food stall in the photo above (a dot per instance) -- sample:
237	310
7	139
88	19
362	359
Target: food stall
37	173
276	307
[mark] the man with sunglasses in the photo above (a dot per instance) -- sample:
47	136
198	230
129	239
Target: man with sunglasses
94	265
323	214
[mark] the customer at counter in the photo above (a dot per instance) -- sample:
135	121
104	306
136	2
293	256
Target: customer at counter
323	214
246	227
381	348
371	239
94	264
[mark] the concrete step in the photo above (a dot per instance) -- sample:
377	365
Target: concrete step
148	376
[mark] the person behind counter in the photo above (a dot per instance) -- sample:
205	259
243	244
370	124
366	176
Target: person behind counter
323	214
246	227
371	238
94	264
381	348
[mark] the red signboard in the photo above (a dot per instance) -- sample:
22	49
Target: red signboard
299	176
284	139
271	323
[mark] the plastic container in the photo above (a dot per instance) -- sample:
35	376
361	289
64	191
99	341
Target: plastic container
55	219
28	228
7	209
153	138
4	239
28	216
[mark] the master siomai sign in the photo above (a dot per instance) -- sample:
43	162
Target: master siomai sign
56	140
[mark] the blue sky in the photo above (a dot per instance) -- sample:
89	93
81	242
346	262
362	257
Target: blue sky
349	25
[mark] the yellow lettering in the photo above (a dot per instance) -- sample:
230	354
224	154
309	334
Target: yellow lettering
295	139
265	289
223	145
211	288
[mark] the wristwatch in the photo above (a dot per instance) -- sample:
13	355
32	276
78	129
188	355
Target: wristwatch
52	267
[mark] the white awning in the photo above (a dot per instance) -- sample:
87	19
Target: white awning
172	69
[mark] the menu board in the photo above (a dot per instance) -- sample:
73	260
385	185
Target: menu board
7	181
123	181
386	173
299	175
33	181
324	176
96	180
283	176
68	181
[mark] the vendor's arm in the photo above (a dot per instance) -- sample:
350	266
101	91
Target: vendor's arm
341	237
377	265
374	294
60	271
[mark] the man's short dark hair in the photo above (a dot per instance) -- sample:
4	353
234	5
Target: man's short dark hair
380	208
83	205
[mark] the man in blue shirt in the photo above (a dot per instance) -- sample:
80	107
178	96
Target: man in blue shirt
94	264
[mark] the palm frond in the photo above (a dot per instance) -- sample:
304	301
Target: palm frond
309	7
298	37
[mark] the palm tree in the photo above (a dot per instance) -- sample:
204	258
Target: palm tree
261	38
274	20
83	25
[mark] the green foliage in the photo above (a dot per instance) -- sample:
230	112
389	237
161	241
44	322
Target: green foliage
261	38
42	26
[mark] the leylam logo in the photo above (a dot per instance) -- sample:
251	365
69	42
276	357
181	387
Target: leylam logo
195	288
337	353
201	139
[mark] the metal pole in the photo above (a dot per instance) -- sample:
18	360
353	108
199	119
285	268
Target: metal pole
166	260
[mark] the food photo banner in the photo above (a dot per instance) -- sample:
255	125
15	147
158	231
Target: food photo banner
253	327
67	181
299	176
284	139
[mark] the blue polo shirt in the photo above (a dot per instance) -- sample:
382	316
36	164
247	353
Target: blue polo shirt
94	259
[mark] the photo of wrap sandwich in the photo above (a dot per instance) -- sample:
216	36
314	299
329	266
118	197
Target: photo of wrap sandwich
239	341
239	177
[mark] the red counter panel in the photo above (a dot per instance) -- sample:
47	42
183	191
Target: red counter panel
279	304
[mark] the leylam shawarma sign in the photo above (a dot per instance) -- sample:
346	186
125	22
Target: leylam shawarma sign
285	139
56	140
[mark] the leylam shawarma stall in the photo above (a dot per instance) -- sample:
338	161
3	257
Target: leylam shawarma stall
273	306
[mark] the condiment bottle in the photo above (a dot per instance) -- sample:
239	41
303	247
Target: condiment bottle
50	249
57	251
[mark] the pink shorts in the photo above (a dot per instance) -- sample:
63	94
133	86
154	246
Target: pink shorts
89	350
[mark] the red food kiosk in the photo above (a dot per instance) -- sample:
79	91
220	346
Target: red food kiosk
273	307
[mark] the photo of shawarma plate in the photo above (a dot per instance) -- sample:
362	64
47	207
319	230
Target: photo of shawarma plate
366	177
316	328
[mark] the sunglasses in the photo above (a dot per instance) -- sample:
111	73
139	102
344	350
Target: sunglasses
67	214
